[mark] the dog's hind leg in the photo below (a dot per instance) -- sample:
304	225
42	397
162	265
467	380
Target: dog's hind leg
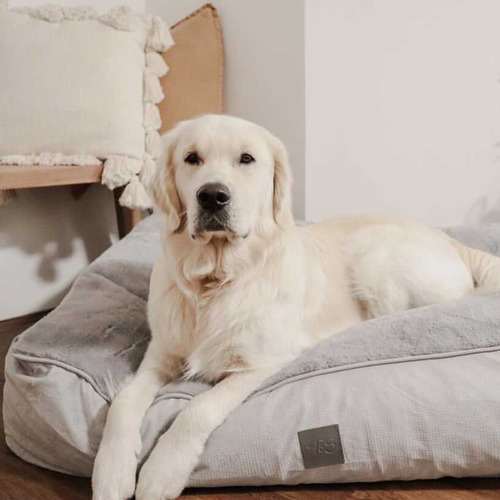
483	267
394	268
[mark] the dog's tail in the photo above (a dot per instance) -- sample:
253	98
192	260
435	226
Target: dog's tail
483	267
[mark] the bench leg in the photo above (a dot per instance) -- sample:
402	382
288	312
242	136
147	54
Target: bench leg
126	218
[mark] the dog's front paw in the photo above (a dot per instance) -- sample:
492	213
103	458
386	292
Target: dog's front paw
161	480
113	477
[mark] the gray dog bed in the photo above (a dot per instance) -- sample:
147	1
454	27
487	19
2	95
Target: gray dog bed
409	396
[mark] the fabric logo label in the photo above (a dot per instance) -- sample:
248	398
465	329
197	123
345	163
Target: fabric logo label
321	447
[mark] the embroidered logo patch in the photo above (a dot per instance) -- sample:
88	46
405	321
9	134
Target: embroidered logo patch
321	447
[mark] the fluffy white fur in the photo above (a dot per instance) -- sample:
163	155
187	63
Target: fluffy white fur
234	306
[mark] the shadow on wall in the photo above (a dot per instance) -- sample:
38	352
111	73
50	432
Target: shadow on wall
482	210
51	224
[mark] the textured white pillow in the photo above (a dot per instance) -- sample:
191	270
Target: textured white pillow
77	87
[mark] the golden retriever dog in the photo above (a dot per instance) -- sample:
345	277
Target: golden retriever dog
239	291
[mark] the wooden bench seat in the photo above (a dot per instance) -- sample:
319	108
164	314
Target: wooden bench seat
30	176
35	176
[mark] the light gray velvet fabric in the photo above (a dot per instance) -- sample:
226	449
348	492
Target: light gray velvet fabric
100	327
408	391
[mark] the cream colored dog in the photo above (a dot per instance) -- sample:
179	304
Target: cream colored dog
239	291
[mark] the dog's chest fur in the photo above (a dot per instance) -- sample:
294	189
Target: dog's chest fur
244	308
235	312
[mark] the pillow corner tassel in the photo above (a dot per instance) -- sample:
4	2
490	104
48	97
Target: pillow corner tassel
159	37
153	142
135	195
153	91
148	171
119	170
156	64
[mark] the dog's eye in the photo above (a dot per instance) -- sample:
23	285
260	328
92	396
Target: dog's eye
193	159
246	158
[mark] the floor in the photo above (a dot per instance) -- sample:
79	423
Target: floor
22	481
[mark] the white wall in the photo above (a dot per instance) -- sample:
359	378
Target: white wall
403	109
46	238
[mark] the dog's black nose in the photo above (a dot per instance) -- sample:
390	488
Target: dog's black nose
213	197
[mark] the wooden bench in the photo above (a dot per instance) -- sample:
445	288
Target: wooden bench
34	176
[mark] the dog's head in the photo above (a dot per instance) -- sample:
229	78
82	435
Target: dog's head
223	177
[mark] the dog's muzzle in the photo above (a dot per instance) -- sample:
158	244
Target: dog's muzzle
213	201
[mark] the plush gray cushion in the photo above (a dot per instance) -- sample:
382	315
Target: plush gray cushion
414	395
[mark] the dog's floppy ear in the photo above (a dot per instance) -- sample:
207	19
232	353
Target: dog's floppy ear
282	184
163	187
